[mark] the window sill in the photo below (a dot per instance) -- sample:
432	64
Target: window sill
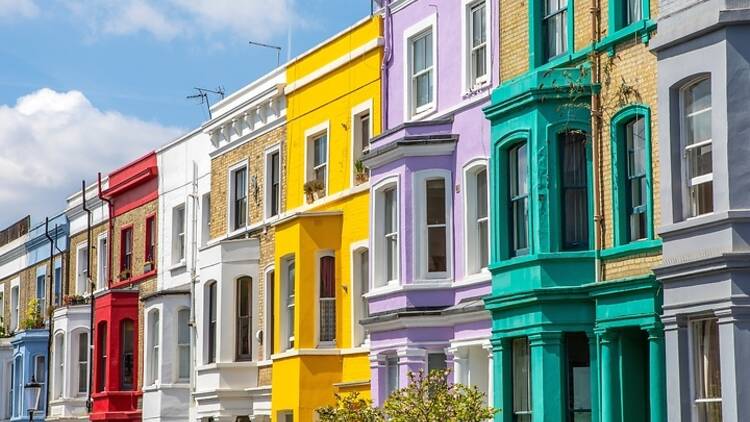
178	266
422	114
534	259
417	285
632	248
482	276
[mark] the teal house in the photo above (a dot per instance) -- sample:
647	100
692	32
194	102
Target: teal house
576	331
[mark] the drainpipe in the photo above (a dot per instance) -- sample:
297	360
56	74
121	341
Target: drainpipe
193	276
91	299
387	55
49	314
596	127
110	223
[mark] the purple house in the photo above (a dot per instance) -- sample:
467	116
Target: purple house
429	194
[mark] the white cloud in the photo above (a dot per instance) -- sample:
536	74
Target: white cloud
18	8
51	140
168	19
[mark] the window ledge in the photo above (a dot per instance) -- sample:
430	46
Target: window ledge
419	285
642	29
178	266
477	278
428	111
632	248
533	259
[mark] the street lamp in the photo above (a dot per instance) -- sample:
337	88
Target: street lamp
33	390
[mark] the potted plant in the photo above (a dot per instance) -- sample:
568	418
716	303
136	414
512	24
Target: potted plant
313	190
361	175
33	316
3	332
148	266
69	300
124	275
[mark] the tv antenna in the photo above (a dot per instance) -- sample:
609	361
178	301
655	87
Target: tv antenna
202	95
274	47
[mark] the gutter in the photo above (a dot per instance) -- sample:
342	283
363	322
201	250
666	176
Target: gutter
89	404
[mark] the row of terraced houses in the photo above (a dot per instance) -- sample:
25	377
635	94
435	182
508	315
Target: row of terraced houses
549	198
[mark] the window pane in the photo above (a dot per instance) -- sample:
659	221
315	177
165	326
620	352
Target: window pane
389	198
320	151
436	260
707	359
481	193
521	379
579	376
424	89
702	198
126	355
392	374
435	201
518	198
632	12
698	97
575	191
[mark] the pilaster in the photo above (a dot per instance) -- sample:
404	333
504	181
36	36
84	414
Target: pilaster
547	377
657	393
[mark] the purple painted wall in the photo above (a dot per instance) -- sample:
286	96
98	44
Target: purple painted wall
409	337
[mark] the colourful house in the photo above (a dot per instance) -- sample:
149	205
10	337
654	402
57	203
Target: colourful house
575	305
429	208
333	108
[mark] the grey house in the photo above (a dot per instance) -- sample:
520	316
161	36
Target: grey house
703	50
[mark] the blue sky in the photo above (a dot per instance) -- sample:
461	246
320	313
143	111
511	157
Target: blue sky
75	75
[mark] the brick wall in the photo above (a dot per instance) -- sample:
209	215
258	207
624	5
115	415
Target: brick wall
514	38
78	239
136	218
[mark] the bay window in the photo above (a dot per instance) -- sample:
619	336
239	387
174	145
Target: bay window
521	380
555	27
706	369
244	326
386	237
211	322
574	195
127	355
477	218
101	330
83	363
434	210
327	300
519	199
153	353
183	345
697	146
59	366
288	287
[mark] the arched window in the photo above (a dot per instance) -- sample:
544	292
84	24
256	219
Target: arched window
59	368
183	345
101	373
574	185
211	321
243	337
153	353
127	355
327	299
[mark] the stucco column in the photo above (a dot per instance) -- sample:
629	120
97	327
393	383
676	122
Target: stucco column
677	368
734	338
490	375
457	356
502	388
378	379
608	342
410	360
547	403
656	377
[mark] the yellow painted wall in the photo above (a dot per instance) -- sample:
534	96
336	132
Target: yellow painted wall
303	382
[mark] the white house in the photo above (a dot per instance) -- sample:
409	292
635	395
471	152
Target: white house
182	226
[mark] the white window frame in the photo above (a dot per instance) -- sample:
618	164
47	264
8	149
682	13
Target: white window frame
471	226
287	332
3	323
687	182
268	304
692	364
81	283
310	135
267	181
76	334
467	71
179	237
15	303
179	346
231	197
205	218
153	346
356	136
102	264
58	370
252	318
411	112
319	255
419	222
359	334
377	234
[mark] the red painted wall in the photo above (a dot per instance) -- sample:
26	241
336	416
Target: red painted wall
134	184
113	307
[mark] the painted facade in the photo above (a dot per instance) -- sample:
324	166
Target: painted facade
245	146
71	319
131	197
333	105
429	270
703	61
575	305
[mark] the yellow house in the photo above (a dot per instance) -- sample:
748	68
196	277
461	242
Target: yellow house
321	273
